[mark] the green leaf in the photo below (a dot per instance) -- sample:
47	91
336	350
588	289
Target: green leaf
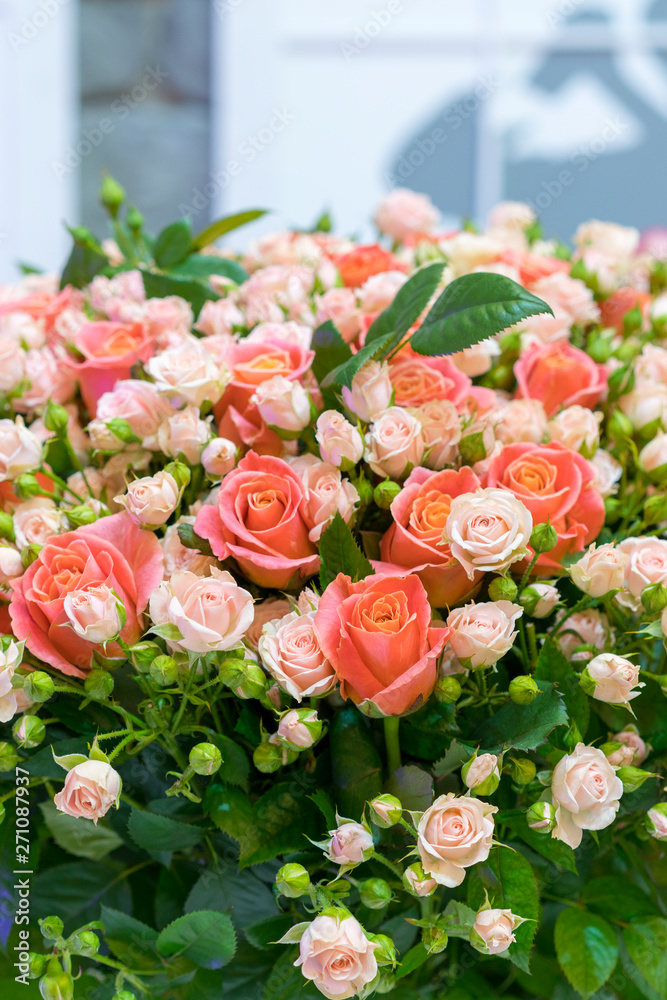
618	899
413	786
206	265
85	261
339	553
159	286
173	244
472	308
235	768
344	373
225	225
408	305
586	949
647	946
331	351
356	767
74	891
132	941
265	933
285	982
160	833
456	756
79	836
553	665
191	540
510	883
414	958
524	727
206	937
245	896
553	850
322	800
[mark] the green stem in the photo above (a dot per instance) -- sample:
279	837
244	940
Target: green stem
388	864
184	699
524	578
392	742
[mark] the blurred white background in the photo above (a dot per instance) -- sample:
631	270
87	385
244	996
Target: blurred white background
209	106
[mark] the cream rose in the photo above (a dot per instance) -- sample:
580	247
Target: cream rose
495	930
612	679
371	391
583	628
11	565
607	473
184	433
95	613
90	789
340	443
586	791
599	570
488	530
10	658
483	633
337	956
20	450
522	420
292	655
577	428
211	612
152	500
188	372
453	834
219	457
282	403
480	769
35	520
441	430
653	456
350	844
403	213
631	740
394	443
646	563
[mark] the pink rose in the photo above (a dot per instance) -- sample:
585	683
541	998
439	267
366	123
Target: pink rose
113	551
371	391
350	844
11	565
488	531
188	373
441	430
521	420
219	457
294	728
152	500
340	443
35	520
337	956
483	633
20	449
50	375
495	930
631	740
340	306
394	443
586	792
94	612
210	612
10	659
380	290
653	457
90	789
283	403
583	628
293	656
109	351
404	213
219	317
572	301
577	428
327	493
539	599
612	679
418	380
137	402
184	433
560	375
646	563
453	834
599	570
656	822
420	886
12	364
177	557
260	522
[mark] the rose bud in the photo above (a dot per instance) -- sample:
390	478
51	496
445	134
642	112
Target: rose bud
56	418
123	994
164	671
80	515
523	690
232	671
51	928
7	526
300	728
482	773
336	955
633	777
656	821
371	392
522	770
283	404
36	964
434	939
375	893
654	597
541	817
386	810
56	984
599	570
84	943
447	690
292	880
618	754
38	686
28	731
503	588
269	757
386	950
544	538
90	789
95	613
142	655
539	599
219	457
417	881
350	844
630	737
8	757
253	684
151	501
340	443
99	684
385	493
20	451
205	758
492	932
611	678
3	813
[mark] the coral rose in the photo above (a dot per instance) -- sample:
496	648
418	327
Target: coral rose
337	956
453	834
377	635
90	789
586	793
292	655
109	351
559	375
259	521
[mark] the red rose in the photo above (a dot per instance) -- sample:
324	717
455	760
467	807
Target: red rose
259	521
113	551
559	375
377	634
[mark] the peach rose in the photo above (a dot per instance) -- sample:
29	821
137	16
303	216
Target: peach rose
482	633
376	633
420	886
291	653
90	789
404	213
418	380
576	428
337	956
184	433
481	768
631	740
599	570
94	613
521	420
283	403
571	300
35	520
20	449
656	822
560	375
340	443
210	612
612	679
10	658
219	457
340	306
646	563
380	290
259	521
487	531
327	493
137	402
653	457
350	844
152	500
441	430
394	443
371	391
109	351
586	792
453	834
583	628
358	264
606	473
219	317
414	541
296	728
266	611
495	930
188	373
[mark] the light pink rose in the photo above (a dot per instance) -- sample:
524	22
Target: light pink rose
394	443
184	433
219	317
326	493
483	633
350	844
272	609
583	628
340	443
12	364
10	659
211	612
20	450
607	472
380	290
631	739
653	456
488	530
177	557
219	457
50	376
645	404
453	834
646	563
586	792
282	403
496	929
613	679
340	306
421	886
511	215
546	598
599	570
571	299
293	729
577	428
657	823
35	520
11	566
292	655
94	613
90	789
189	373
337	956
484	766
139	403
168	319
403	213
371	391
152	500
521	420
441	430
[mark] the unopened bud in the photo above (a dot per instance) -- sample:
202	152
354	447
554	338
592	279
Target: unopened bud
142	655
56	984
7	526
56	418
375	893
28	731
81	514
503	588
435	939
27	486
541	817
633	777
268	757
386	810
654	597
121	429
385	953
38	686
619	426
544	538
417	881
253	684
123	995
98	685
51	928
29	553
180	472
385	493
655	508
481	773
293	881
134	219
300	728
36	964
523	690
205	758
163	671
84	943
112	195
522	770
447	690
656	821
232	671
472	448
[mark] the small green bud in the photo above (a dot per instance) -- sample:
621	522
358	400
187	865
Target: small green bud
375	893
27	486
123	995
38	686
544	538
417	882
633	777
232	671
253	684
36	964
29	553
503	588
385	493
386	810
84	943
385	953
632	321
481	774
268	757
134	219
293	881
523	690
541	817
447	690
612	508
56	419
164	671
205	758
435	939
121	429
599	347
112	195
621	381
655	508
180	472
51	928
81	514
98	685
522	770
619	426
572	736
8	757
142	655
28	731
654	597
56	984
7	526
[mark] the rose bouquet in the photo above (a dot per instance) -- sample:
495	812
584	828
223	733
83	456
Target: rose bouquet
333	597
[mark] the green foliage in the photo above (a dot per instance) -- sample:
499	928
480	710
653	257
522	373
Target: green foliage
173	244
586	948
80	837
225	225
408	305
524	727
206	937
509	880
355	762
339	553
161	833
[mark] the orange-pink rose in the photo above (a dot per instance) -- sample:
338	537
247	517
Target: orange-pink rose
109	351
559	375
